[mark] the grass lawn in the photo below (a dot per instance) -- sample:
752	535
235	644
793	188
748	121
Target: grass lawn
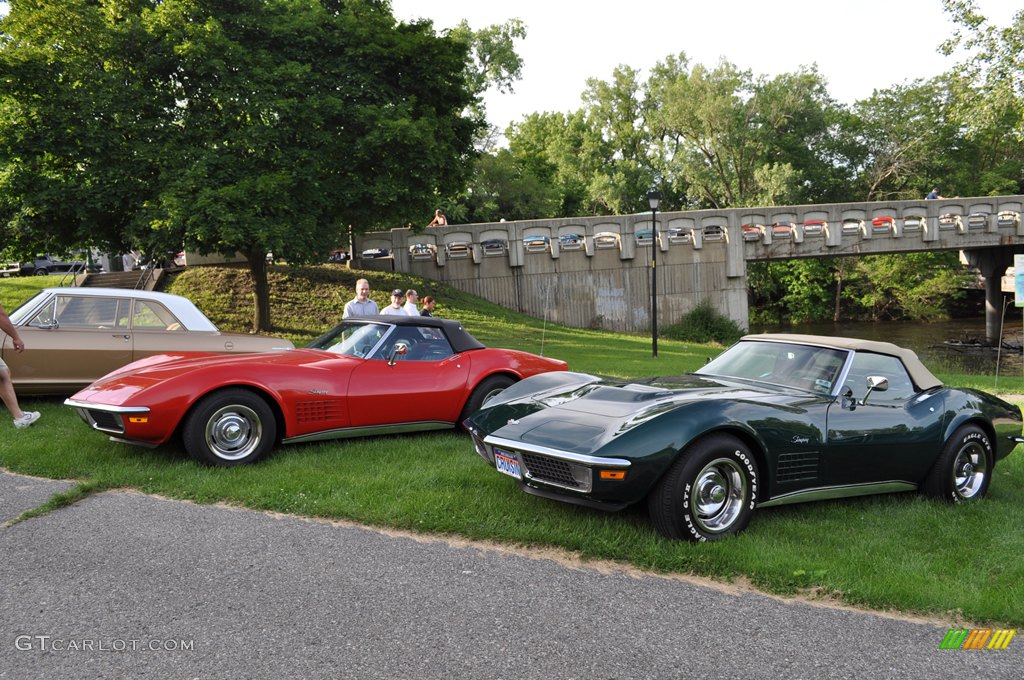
900	552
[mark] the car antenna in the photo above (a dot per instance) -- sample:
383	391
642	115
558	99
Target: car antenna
544	328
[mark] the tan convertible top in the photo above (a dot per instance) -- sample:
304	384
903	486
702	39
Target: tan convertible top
922	377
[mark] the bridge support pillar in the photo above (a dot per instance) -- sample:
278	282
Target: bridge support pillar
991	262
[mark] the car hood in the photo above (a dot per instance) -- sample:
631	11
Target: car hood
116	387
587	413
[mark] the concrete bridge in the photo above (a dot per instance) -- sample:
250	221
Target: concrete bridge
595	271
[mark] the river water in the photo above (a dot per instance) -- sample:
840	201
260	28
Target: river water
955	346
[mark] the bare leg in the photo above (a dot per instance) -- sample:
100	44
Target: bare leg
8	396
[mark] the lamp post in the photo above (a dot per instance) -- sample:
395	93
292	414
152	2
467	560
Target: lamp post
654	198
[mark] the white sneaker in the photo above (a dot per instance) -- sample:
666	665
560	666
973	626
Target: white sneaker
27	419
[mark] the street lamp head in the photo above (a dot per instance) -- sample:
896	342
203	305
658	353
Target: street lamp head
654	198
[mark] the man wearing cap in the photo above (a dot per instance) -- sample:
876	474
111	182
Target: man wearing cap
411	298
361	304
395	308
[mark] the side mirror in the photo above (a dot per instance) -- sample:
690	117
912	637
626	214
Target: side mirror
399	350
875	383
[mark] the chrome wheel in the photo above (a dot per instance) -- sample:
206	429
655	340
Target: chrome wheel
970	470
233	432
963	470
709	493
719	492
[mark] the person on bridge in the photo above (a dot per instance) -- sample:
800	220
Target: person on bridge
439	219
934	194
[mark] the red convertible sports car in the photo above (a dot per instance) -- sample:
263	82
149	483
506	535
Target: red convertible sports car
376	375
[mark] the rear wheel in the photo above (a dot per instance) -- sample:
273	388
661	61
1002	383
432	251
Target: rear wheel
708	493
484	391
41	271
963	470
230	427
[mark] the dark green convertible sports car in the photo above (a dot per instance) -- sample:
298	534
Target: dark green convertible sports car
774	419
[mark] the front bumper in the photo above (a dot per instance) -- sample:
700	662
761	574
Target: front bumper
105	418
555	473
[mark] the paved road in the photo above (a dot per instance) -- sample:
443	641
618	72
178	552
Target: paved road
125	585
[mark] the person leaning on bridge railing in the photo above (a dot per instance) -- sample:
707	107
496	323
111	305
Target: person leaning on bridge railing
439	219
934	194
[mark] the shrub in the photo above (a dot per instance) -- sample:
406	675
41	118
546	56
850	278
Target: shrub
704	323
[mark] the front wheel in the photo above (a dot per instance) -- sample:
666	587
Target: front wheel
230	427
963	470
41	271
708	493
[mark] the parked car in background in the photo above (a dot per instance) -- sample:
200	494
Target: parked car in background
423	251
570	241
813	228
365	376
752	231
375	253
494	247
537	244
75	335
680	235
338	255
43	265
774	419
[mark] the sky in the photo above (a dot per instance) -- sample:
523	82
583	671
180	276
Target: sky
858	46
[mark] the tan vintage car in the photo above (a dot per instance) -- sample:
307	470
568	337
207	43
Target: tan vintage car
74	336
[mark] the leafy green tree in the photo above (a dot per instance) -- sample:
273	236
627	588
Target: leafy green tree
83	125
501	189
248	126
727	140
563	151
988	92
916	286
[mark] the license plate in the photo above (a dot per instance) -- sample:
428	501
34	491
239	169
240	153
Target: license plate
507	464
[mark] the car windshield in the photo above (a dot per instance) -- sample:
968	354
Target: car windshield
351	338
805	367
19	314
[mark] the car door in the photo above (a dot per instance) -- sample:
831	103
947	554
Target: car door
71	341
428	384
893	435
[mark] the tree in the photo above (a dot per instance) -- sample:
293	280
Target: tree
272	125
988	87
917	286
83	124
726	139
902	141
501	189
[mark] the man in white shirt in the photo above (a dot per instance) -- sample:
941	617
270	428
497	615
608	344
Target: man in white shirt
361	304
395	308
411	298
